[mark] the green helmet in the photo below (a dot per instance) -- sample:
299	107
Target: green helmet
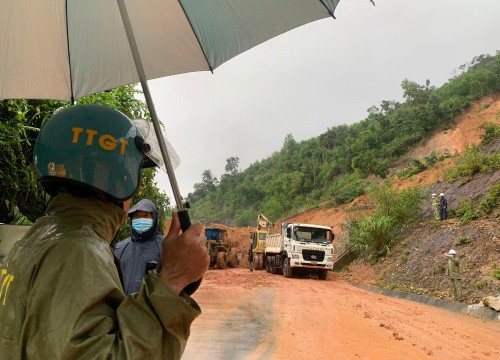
94	147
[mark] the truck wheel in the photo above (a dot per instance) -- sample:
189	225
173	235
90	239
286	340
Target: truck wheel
221	260
258	263
268	265
232	260
322	274
273	266
262	265
287	270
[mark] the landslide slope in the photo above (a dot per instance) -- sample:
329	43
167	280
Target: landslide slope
417	262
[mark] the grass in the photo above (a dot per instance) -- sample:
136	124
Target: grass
473	162
474	209
462	240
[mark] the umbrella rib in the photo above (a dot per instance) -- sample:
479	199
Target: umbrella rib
329	11
196	35
69	57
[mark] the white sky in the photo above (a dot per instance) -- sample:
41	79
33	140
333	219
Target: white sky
320	75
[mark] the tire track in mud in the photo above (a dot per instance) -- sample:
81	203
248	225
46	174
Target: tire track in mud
234	327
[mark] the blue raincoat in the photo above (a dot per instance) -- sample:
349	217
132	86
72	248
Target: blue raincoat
138	250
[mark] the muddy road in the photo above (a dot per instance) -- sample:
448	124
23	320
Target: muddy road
262	316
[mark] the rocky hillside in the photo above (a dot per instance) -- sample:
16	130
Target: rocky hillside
417	263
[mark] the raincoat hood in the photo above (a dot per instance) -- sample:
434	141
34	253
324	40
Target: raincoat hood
148	206
104	217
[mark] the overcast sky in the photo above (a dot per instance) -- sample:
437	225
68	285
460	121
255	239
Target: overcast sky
317	76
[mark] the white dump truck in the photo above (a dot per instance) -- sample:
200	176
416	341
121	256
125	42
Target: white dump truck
300	247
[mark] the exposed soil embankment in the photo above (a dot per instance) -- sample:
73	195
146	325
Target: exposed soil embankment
417	263
464	131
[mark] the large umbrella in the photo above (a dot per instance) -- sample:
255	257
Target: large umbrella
66	49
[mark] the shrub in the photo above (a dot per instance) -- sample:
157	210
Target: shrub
491	200
473	162
372	234
377	233
402	205
496	273
433	158
466	211
491	132
462	240
416	166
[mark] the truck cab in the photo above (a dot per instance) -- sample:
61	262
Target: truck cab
301	246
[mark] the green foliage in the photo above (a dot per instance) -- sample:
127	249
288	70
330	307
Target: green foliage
474	209
21	200
491	132
434	158
473	162
374	233
246	218
495	271
491	201
395	208
232	164
462	240
20	122
416	166
466	211
402	205
333	167
345	189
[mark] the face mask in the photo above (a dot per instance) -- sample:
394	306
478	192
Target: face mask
142	225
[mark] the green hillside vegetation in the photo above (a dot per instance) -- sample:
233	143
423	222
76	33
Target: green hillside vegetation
334	166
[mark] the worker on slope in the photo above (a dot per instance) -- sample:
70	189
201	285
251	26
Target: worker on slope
435	206
443	207
63	298
453	272
143	248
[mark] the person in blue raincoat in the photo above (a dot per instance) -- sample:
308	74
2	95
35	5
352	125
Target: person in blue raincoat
142	251
443	207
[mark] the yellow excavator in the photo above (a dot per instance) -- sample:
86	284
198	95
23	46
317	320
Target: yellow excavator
259	236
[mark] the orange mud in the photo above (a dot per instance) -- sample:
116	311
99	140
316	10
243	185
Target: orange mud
262	316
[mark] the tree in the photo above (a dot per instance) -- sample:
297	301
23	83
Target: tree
209	181
232	165
20	122
334	166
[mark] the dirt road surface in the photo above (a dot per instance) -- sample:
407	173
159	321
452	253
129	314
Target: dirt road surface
262	316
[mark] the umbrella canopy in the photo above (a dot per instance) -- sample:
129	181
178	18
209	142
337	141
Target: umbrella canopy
67	49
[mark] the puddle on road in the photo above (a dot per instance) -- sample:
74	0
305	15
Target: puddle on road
234	326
